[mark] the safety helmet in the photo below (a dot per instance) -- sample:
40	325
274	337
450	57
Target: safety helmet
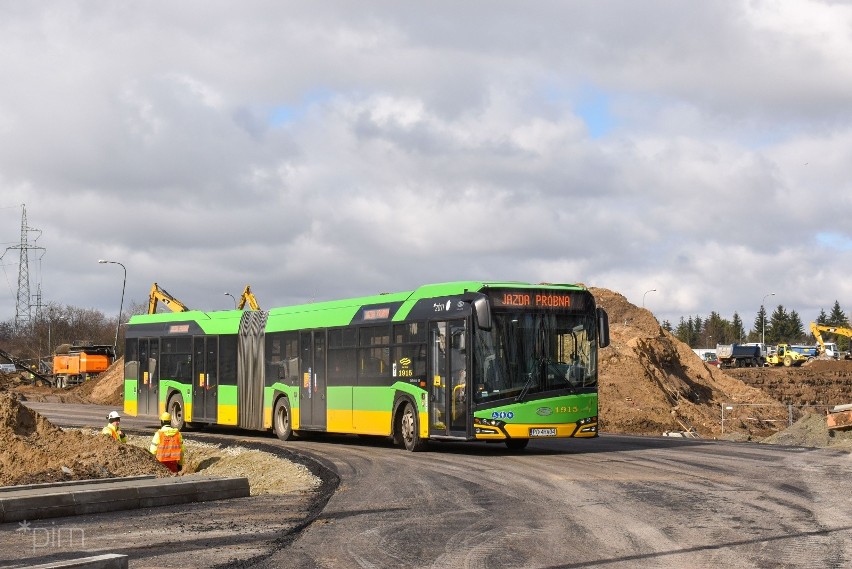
166	417
113	416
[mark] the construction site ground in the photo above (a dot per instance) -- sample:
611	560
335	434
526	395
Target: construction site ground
650	384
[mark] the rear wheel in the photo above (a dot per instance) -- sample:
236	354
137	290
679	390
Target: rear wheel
175	409
281	424
408	429
788	361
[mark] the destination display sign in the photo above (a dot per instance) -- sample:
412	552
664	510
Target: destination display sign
536	299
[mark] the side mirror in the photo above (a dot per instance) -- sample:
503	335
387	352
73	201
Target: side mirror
483	312
603	328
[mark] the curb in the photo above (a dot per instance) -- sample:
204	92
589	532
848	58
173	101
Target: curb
111	494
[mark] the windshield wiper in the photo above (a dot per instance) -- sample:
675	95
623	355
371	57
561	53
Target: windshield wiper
528	384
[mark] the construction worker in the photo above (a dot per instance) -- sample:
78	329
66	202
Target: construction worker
167	444
113	427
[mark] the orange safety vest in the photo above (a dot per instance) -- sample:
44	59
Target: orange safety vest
111	431
168	448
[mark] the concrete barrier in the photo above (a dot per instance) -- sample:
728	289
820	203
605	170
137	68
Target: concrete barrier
111	494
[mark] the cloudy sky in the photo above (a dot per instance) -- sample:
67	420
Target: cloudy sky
319	150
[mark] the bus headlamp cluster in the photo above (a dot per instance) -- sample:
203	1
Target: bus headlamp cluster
489	422
588	425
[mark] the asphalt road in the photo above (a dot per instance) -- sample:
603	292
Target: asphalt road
615	501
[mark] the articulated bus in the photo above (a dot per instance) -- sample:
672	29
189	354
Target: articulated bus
464	361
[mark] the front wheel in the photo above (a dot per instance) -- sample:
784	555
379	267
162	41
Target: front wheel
281	423
408	429
175	409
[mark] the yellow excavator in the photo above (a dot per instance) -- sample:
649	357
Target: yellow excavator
159	295
248	297
817	329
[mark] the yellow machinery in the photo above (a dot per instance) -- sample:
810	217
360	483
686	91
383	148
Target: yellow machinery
248	297
817	329
784	355
160	295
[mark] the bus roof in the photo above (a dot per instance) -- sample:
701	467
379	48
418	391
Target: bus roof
338	312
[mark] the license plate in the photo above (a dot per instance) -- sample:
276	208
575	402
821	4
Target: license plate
543	432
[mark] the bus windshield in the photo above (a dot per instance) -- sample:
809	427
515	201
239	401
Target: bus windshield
527	353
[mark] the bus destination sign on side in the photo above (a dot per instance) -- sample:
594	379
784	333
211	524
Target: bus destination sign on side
530	299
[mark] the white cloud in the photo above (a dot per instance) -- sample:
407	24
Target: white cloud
431	144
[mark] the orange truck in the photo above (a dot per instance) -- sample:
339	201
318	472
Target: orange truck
74	364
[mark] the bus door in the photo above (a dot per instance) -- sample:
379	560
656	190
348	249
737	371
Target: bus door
205	378
312	387
148	386
449	405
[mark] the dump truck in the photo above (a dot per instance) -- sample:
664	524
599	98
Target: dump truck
77	363
738	355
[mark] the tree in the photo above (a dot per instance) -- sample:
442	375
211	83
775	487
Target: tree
837	316
759	326
737	327
776	331
796	329
715	330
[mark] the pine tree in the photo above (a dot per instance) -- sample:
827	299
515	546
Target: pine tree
837	316
776	330
795	328
759	325
737	327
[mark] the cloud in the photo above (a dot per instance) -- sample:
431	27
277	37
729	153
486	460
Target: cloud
323	151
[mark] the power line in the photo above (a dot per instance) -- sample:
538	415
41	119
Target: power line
24	305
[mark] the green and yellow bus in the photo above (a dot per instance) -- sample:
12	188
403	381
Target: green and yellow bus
461	361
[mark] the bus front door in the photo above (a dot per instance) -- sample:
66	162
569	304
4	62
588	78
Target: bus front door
449	407
205	382
148	386
312	387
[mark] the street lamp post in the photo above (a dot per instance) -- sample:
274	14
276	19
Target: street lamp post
763	319
233	297
643	296
121	306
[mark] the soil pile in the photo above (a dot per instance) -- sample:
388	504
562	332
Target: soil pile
819	383
106	389
35	451
652	383
810	431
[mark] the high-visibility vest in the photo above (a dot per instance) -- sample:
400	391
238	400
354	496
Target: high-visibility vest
169	447
111	431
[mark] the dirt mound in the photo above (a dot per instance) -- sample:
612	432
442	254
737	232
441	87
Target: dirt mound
106	389
651	382
819	384
810	431
828	365
34	451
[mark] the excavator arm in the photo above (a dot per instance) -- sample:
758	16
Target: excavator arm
160	295
817	329
248	297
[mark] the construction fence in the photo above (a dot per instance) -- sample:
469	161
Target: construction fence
775	417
